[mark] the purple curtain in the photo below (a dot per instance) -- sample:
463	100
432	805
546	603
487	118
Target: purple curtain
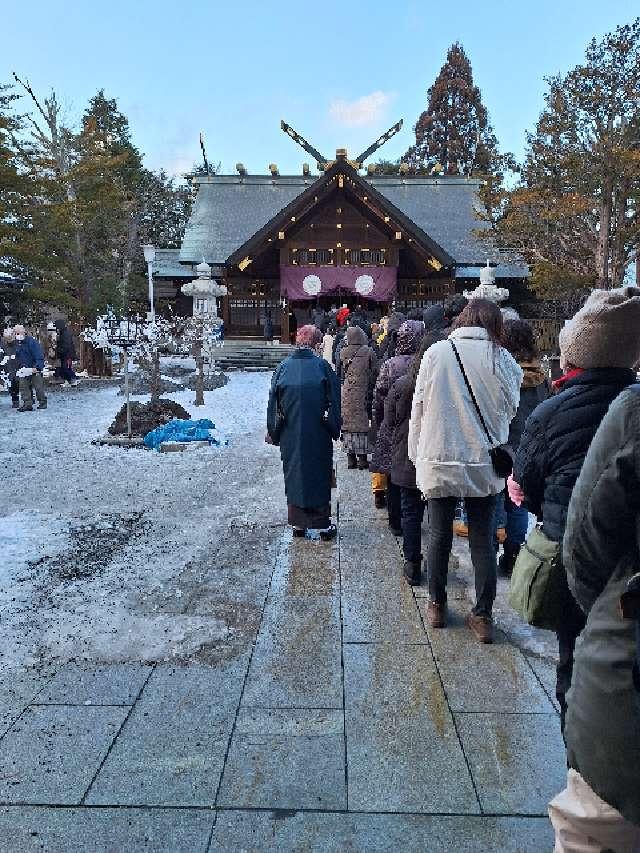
376	283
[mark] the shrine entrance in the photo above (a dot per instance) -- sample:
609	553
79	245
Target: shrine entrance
245	309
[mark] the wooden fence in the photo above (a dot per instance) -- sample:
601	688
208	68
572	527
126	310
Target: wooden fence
547	333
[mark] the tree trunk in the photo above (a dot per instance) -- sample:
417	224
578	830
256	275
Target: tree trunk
154	377
602	247
619	257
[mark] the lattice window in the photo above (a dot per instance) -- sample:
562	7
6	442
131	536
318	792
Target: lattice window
365	257
311	257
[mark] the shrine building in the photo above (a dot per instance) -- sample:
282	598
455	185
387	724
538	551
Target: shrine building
290	243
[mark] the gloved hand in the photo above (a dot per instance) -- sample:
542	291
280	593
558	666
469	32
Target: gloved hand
515	492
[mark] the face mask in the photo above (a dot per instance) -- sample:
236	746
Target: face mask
19	337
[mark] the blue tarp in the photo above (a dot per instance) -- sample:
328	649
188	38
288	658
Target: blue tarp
178	430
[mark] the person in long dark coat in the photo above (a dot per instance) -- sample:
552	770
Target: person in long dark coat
66	352
303	418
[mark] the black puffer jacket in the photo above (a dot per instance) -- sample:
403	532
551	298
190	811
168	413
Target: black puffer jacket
556	439
397	413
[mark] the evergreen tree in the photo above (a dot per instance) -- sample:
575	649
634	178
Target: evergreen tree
454	130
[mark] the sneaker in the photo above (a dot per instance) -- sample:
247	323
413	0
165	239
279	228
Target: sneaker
329	534
379	500
352	461
42	405
460	529
481	627
75	383
437	614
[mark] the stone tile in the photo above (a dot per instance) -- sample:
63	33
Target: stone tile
113	684
51	754
256	832
286	760
380	615
18	688
546	672
483	677
171	752
87	830
517	760
297	659
403	751
307	568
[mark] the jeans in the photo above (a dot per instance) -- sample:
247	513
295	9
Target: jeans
480	514
393	505
412	505
514	518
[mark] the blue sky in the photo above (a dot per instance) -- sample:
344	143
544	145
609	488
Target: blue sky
340	73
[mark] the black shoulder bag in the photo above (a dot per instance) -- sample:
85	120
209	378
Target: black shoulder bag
502	455
280	419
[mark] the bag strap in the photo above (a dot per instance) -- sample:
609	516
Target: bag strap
350	362
473	396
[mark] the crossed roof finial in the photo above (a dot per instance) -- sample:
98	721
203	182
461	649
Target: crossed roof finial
323	161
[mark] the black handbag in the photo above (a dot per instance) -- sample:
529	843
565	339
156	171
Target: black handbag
280	420
502	455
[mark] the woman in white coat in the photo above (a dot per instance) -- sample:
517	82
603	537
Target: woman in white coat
450	449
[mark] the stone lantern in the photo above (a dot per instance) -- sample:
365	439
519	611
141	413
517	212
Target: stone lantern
204	291
487	288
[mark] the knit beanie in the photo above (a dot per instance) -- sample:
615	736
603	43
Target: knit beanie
605	332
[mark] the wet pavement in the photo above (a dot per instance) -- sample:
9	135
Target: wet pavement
329	717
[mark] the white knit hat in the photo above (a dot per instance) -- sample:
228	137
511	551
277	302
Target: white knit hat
605	332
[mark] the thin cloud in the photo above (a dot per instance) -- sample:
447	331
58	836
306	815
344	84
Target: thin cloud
369	109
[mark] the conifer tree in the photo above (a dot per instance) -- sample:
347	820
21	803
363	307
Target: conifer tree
453	134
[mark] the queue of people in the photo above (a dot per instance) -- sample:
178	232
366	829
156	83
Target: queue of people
450	404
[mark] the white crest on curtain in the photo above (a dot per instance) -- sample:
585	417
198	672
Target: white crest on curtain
312	285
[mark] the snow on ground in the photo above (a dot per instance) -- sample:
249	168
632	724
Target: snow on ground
89	533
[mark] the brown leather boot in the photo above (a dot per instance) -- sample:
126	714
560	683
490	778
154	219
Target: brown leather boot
437	614
481	627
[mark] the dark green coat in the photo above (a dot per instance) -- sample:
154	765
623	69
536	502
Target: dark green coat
309	395
601	553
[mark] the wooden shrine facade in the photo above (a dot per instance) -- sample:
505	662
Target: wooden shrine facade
286	245
339	230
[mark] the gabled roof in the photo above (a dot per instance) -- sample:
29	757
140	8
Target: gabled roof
167	265
230	209
378	204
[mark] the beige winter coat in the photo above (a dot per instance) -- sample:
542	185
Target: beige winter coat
447	443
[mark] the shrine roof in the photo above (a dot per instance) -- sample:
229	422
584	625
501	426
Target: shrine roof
230	209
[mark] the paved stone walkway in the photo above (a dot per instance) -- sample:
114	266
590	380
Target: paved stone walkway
346	725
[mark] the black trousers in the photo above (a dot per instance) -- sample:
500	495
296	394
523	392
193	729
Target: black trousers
572	627
394	506
480	518
412	505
